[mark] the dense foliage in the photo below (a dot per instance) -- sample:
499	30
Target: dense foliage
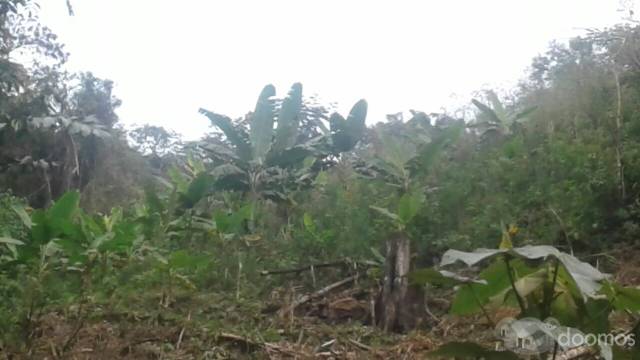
90	213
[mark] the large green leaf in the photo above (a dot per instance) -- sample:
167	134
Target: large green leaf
261	134
409	205
65	207
395	152
622	298
22	214
487	112
229	177
10	241
439	278
73	249
394	217
587	278
497	106
430	152
288	119
124	236
338	126
236	135
198	189
470	298
356	121
308	223
524	286
60	216
345	134
232	223
178	179
291	156
40	230
595	316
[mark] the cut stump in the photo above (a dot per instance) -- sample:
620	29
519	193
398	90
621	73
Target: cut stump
400	306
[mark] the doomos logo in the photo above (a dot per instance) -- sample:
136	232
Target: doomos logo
530	336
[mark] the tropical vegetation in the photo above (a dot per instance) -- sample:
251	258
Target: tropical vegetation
121	242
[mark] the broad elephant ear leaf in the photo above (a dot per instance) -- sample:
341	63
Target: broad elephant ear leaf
525	285
469	258
288	119
587	278
65	207
262	124
345	134
59	217
471	297
440	278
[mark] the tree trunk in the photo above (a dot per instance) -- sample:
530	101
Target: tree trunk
618	137
397	307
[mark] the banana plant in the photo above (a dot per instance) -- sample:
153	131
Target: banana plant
408	207
404	151
495	118
401	154
261	160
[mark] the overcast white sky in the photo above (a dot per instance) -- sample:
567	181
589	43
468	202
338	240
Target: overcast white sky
168	58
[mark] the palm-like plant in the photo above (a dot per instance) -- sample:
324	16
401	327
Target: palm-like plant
405	153
263	160
495	119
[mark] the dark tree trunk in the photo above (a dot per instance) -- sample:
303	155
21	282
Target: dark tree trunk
400	306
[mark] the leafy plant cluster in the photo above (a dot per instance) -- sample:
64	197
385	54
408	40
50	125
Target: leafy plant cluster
101	221
543	283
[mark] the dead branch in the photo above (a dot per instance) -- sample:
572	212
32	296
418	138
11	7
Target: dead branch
360	345
574	353
318	293
306	268
255	345
248	343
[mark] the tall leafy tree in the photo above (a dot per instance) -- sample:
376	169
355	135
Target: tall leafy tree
50	120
